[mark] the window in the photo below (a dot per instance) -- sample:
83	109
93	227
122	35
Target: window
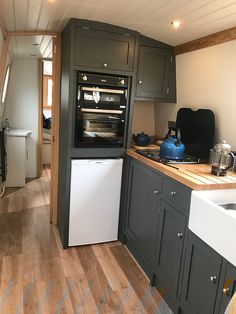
5	84
47	91
47	84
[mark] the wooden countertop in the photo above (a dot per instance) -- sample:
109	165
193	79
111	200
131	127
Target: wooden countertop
195	176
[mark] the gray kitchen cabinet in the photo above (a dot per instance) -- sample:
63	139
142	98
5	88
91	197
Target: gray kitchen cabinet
201	277
143	214
104	49
170	253
227	287
156	74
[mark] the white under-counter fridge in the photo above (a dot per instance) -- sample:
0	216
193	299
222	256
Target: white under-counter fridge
94	200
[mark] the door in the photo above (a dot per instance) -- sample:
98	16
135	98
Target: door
100	49
170	248
55	127
143	210
154	73
201	277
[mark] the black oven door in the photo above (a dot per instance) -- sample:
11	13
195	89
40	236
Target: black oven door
100	117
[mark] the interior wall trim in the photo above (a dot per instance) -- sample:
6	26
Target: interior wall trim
207	41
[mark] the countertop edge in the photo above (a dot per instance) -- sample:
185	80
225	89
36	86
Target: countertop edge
183	176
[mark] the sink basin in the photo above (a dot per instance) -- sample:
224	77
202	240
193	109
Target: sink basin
229	206
213	219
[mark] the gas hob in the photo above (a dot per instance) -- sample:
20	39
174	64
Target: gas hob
154	154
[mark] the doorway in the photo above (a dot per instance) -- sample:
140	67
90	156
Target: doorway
47	107
47	103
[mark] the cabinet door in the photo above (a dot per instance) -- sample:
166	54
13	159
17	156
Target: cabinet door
154	73
143	210
228	288
100	49
170	248
201	276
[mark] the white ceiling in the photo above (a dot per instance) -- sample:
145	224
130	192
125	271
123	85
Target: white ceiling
150	17
31	46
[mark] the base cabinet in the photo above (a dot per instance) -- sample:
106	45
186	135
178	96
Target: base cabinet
190	275
143	214
170	250
227	288
201	277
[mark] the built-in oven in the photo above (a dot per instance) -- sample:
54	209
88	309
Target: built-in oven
101	110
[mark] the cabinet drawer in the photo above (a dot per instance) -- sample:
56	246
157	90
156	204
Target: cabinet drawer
177	194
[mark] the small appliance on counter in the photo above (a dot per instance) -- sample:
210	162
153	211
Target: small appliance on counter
142	139
221	158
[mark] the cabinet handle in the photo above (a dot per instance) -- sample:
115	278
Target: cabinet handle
105	65
213	279
226	291
173	193
140	82
156	192
180	235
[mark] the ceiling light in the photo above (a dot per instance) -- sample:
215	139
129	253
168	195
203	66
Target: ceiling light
175	24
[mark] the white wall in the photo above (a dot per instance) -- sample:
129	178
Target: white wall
206	78
22	105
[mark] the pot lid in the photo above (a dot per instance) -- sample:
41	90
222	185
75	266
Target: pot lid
222	147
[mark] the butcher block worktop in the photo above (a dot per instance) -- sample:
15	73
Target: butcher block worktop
195	176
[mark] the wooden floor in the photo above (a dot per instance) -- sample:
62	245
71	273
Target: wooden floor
39	277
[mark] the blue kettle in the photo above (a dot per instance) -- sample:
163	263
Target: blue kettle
172	148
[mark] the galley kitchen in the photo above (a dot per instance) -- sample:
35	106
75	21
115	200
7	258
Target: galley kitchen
117	152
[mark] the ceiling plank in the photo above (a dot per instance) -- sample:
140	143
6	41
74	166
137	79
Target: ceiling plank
29	33
207	41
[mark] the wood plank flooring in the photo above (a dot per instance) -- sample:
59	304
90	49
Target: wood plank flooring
38	277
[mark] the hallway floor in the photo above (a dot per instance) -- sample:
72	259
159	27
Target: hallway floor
39	277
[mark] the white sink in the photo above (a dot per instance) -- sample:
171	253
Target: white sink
212	223
19	132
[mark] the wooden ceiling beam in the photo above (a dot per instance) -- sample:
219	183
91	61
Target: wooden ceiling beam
207	41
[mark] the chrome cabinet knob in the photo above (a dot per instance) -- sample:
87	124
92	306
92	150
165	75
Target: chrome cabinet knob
226	291
105	65
156	192
173	193
213	279
180	235
140	82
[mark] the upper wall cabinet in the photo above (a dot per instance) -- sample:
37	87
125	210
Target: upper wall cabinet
156	74
104	49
